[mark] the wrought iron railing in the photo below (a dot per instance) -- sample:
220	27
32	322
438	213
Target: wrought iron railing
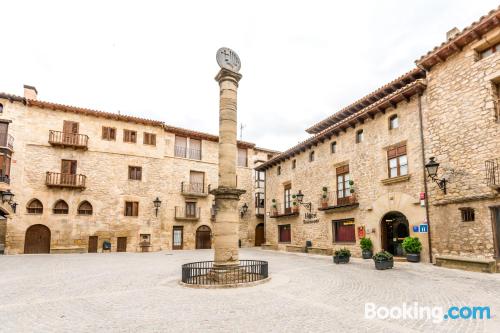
6	140
68	139
183	213
333	199
493	172
65	180
277	209
4	178
206	273
194	188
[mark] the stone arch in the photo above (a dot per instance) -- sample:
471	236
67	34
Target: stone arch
60	207
37	239
203	237
85	208
34	206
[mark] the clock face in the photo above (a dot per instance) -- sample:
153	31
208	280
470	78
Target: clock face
228	59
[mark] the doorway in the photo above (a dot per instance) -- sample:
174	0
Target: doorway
495	215
121	244
93	244
177	238
259	234
68	172
37	239
394	229
204	237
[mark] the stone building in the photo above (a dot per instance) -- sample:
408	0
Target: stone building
364	168
82	178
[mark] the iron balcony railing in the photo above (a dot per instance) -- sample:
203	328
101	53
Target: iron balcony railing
278	210
493	173
4	178
181	213
337	199
55	179
206	273
194	189
6	140
57	138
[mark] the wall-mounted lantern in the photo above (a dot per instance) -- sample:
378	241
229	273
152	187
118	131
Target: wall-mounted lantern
243	209
300	199
157	203
7	197
432	169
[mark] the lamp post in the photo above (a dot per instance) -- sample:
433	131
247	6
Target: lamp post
300	198
432	168
157	203
7	197
243	209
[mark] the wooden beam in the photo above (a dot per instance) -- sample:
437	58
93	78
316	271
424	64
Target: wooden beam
394	105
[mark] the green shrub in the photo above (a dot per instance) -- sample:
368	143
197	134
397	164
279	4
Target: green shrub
382	256
412	245
344	252
366	244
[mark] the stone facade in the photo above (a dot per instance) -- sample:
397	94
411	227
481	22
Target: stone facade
105	165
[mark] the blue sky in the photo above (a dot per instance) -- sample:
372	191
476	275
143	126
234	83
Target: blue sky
301	60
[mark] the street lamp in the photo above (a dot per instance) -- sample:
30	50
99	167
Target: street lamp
300	198
7	197
157	203
243	209
432	169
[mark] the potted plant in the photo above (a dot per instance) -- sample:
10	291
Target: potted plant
295	204
324	198
342	256
383	260
412	247
274	210
366	247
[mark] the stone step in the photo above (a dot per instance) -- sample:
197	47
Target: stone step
400	259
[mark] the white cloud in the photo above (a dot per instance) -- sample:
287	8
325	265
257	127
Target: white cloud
301	61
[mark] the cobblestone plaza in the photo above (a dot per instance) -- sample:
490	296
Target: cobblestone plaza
132	292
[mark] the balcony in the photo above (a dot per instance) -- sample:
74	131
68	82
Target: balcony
332	202
63	180
6	141
493	173
62	139
260	211
181	214
278	212
194	189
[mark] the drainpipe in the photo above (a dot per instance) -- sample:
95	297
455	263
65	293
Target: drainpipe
420	118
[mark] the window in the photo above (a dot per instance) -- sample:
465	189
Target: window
294	164
196	182
279	170
467	214
5	161
343	231
195	149
489	51
393	122
131	208
343	185
359	136
497	102
242	157
180	148
190	209
1	107
284	233
134	173
288	198
129	136
61	207
260	179
333	147
398	161
149	139
108	133
85	208
259	200
269	156
34	207
311	156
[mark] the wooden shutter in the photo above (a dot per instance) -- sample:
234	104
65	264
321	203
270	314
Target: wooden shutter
342	169
70	127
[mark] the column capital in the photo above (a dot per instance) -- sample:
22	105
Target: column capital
227	193
226	74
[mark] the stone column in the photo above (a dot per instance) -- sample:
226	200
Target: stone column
226	226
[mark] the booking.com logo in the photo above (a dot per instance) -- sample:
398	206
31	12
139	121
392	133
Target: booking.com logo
435	313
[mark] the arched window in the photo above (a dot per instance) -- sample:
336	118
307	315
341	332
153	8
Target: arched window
34	207
393	122
311	156
61	207
85	208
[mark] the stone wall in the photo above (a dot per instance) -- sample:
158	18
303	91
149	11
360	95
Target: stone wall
462	133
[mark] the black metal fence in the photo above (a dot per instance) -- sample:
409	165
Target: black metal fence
204	273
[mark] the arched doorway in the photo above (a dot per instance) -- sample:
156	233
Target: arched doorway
259	234
3	229
203	237
394	229
37	239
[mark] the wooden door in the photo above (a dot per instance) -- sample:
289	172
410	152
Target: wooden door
259	234
496	229
177	238
121	244
203	238
70	129
37	239
93	244
68	172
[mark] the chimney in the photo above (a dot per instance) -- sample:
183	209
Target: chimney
30	92
452	33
